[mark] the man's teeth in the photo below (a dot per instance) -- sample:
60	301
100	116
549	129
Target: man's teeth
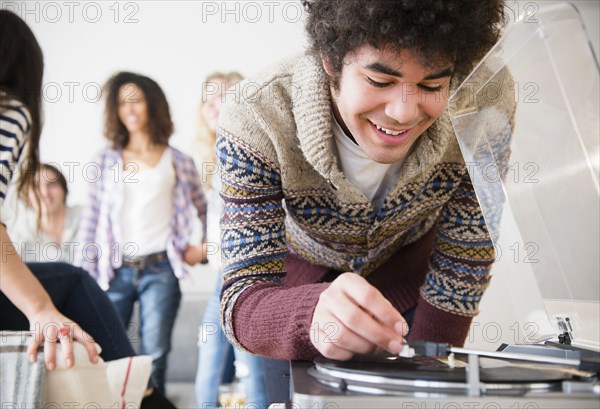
389	132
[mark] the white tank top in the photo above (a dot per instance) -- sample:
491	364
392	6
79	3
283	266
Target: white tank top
147	206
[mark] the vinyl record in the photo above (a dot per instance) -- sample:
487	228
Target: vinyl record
432	369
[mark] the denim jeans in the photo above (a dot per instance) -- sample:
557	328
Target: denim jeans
213	349
77	296
157	290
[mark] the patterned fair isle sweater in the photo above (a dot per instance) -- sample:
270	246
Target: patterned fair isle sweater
283	191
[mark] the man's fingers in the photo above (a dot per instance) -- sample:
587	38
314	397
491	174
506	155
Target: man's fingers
362	319
329	348
371	300
332	333
334	351
360	323
361	293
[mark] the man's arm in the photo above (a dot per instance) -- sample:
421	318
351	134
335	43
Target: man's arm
335	319
258	314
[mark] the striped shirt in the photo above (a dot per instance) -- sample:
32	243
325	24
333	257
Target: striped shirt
100	233
15	125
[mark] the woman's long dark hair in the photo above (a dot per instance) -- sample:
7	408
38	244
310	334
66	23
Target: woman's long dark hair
21	72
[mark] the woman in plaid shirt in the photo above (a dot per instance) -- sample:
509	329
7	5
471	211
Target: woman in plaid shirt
137	225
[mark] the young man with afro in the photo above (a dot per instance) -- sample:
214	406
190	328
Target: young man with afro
350	223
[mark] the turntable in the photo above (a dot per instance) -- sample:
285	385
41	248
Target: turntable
451	378
548	201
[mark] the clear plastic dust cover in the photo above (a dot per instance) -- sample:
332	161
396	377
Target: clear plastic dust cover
527	122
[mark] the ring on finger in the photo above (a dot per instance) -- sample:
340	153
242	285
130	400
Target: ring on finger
63	332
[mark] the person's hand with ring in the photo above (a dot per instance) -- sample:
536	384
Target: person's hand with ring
50	327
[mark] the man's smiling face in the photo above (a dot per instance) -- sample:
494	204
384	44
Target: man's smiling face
385	100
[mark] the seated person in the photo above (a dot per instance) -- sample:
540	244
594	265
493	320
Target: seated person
54	239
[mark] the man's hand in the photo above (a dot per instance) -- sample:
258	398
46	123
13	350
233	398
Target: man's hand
196	254
352	317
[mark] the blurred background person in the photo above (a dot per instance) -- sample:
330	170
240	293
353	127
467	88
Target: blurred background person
51	236
139	214
214	348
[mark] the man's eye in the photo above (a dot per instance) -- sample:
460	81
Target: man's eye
430	89
377	84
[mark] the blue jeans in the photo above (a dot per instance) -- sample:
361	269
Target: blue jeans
77	296
213	349
157	290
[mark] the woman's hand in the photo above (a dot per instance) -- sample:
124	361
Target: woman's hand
196	254
353	317
49	327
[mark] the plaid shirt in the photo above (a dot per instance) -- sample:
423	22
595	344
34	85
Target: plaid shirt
100	231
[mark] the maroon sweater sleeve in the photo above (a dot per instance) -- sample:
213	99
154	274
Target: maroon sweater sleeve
288	324
283	333
432	324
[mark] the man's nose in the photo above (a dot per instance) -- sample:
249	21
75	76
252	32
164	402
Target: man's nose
404	106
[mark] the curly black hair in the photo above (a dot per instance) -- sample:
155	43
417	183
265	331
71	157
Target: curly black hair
159	116
438	31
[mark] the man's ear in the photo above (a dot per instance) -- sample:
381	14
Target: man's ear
327	65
